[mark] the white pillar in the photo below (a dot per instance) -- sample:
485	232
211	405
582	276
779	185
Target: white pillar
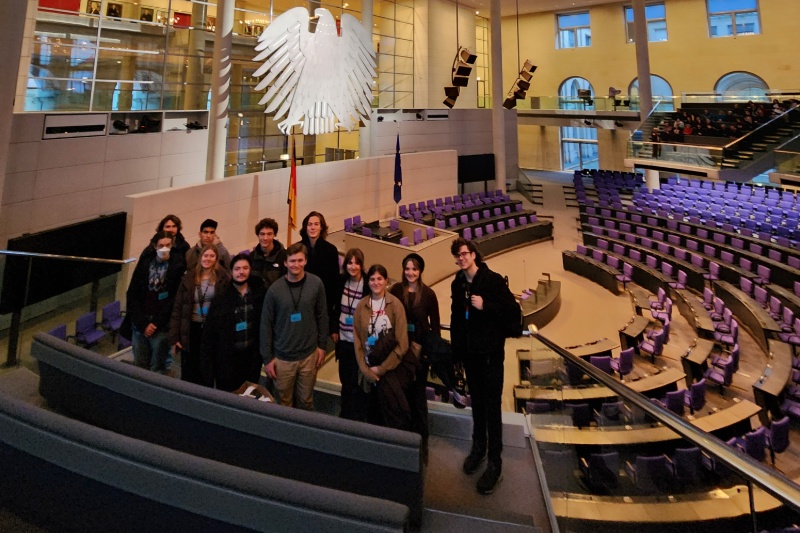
498	111
651	179
220	91
642	58
12	31
365	133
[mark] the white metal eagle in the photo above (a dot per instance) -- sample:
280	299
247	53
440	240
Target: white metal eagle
320	80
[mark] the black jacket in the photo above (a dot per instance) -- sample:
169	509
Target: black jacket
482	332
138	288
323	262
269	267
220	329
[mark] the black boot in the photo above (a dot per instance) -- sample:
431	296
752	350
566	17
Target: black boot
491	478
474	459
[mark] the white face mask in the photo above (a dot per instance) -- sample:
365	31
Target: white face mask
163	253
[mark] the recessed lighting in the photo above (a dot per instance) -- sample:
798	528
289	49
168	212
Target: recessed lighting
477	12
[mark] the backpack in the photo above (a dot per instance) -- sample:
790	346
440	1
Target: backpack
511	318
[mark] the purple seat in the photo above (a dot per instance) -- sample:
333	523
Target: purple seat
713	271
467	234
692	245
475	216
463	219
478	233
512	223
763	274
603	362
624	364
778	437
357	220
489	229
430	232
746	286
651	475
728	339
348	225
403	241
601	471
674	401
722	376
86	332
394	224
440	224
754	443
602	244
687	465
59	332
501	226
598	256
761	296
681	283
366	232
403	211
523	221
695	396
112	317
654	346
651	261
581	249
626	276
532	219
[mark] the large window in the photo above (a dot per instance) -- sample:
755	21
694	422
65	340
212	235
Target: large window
660	89
656	15
573	30
728	18
743	84
578	144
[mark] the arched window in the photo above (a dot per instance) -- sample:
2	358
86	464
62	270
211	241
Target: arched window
660	89
740	84
578	144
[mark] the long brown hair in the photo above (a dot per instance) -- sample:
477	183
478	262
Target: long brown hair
198	268
411	298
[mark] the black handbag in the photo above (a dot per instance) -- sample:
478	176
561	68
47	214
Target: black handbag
382	348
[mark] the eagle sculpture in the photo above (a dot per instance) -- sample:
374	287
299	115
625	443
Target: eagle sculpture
321	80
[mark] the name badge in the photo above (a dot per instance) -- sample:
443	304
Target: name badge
348	320
275	265
163	296
466	314
295	317
241	326
412	328
371	340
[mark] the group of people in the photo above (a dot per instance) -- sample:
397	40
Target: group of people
277	308
733	122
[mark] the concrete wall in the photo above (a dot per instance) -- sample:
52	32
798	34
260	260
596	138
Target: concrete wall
338	190
50	183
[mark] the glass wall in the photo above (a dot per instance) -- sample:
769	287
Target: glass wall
578	143
127	56
482	63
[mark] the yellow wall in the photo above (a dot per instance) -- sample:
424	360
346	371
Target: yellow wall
690	60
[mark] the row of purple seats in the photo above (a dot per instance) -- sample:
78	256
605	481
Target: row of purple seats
485	214
489	229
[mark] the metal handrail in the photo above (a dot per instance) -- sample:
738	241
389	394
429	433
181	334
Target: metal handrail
775	484
762	128
68	257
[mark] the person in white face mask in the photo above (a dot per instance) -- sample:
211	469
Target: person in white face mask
150	296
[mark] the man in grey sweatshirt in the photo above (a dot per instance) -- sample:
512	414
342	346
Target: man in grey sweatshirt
294	331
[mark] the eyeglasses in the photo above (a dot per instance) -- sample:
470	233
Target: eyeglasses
462	255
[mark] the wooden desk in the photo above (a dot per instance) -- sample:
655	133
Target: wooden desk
599	347
695	360
733	420
633	332
690	308
767	389
787	297
748	313
651	386
600	273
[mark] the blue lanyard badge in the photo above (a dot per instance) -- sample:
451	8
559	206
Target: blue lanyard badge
163	295
241	326
348	320
412	328
295	317
371	340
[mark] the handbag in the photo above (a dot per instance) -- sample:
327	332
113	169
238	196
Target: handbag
382	348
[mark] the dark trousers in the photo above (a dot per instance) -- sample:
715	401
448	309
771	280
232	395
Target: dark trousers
353	400
418	402
192	365
485	383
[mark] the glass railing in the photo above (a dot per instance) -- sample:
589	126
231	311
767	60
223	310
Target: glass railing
716	98
684	154
593	103
612	459
787	157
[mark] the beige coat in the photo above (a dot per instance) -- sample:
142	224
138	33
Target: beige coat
361	320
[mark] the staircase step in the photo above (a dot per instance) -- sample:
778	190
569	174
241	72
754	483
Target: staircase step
730	165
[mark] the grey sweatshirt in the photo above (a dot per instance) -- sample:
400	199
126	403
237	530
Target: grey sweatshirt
294	320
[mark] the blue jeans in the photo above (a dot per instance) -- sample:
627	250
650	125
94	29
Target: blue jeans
152	352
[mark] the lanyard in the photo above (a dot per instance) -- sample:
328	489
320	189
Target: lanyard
201	297
352	296
374	319
299	298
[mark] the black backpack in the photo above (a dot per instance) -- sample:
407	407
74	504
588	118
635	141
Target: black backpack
511	318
